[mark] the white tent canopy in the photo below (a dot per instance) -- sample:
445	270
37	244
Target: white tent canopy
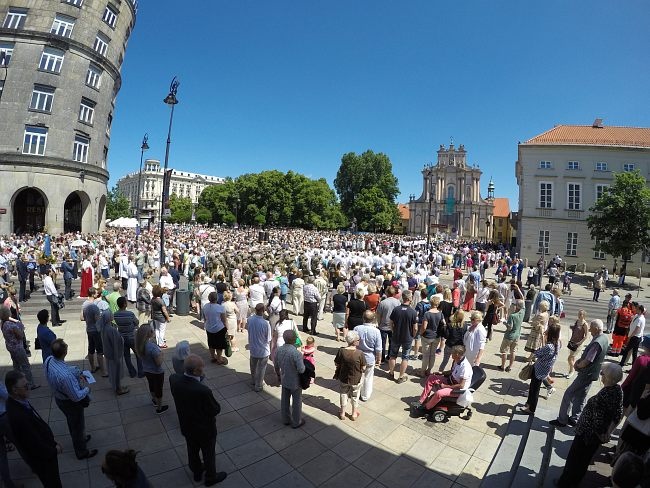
124	222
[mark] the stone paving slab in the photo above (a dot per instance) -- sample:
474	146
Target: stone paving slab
385	447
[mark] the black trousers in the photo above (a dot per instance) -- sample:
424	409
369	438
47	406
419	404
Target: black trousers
577	462
632	345
125	283
54	309
22	292
47	471
74	415
533	393
206	447
311	310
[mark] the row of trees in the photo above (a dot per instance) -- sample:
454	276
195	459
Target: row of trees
365	185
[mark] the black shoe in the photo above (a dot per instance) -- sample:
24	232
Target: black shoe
162	409
198	476
557	423
88	455
62	321
572	422
221	475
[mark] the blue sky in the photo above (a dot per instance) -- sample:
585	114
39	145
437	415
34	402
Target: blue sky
294	85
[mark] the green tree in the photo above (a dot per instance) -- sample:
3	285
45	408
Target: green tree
219	200
375	212
181	209
203	215
365	172
620	218
117	205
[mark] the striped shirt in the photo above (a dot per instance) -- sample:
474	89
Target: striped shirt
64	380
310	293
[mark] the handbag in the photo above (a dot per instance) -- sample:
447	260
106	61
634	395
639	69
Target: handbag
526	372
298	342
228	351
572	346
37	343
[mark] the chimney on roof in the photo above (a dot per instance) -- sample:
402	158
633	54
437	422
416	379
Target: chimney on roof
598	124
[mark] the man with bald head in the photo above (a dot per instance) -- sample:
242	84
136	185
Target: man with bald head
197	410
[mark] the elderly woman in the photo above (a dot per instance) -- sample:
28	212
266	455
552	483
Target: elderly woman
537	328
599	418
232	320
152	360
181	352
215	318
339	307
546	356
444	384
350	366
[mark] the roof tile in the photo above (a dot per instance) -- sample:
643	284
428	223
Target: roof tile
594	136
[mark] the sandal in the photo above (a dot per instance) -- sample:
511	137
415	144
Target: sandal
401	380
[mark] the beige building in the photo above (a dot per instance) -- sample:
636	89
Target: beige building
60	68
183	184
451	200
503	231
560	174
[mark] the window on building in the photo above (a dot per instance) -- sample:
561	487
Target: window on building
450	192
110	15
6	48
62	25
104	157
51	60
42	98
545	165
628	166
80	149
545	195
572	244
35	140
109	123
94	76
598	254
574	196
101	44
544	238
573	165
15	18
601	166
600	189
76	3
86	111
2	87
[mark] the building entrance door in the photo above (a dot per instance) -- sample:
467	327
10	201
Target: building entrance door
72	212
29	211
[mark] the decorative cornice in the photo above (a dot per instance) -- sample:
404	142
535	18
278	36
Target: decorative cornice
90	170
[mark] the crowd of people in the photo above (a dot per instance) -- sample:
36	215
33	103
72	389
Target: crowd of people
387	302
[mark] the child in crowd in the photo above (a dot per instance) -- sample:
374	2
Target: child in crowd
308	351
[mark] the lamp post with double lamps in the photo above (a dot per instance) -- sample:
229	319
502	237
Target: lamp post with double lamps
170	100
143	148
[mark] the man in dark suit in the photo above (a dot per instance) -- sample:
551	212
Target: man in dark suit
32	435
197	409
23	274
68	274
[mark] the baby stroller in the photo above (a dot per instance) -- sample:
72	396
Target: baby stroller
566	282
449	407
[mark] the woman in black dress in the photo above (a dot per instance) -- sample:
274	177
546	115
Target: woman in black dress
493	306
339	312
355	310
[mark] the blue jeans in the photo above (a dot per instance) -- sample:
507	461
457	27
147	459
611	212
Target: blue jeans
574	399
386	338
129	344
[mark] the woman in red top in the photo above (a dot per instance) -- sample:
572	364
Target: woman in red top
373	298
624	318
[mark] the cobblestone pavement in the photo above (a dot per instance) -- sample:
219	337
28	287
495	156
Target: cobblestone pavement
384	447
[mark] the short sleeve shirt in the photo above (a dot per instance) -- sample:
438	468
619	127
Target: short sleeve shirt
404	317
151	351
462	370
12	342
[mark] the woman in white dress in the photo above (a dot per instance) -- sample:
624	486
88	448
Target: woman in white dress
284	323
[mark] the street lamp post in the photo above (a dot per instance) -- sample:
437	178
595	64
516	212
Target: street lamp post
143	148
429	216
487	229
170	100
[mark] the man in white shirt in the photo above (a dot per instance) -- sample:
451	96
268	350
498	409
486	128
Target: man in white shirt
255	293
635	334
52	295
370	346
165	281
475	339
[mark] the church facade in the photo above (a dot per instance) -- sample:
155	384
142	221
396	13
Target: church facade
451	201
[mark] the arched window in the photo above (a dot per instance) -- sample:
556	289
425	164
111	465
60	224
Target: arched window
451	192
